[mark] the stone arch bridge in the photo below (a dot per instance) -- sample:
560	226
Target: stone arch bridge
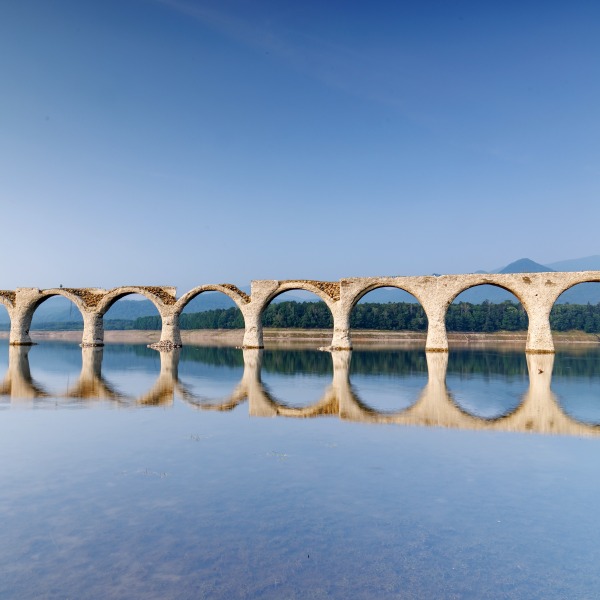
537	292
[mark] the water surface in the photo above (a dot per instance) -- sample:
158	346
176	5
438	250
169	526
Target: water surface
218	473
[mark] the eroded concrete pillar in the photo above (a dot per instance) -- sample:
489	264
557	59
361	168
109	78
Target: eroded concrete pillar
20	316
342	339
437	338
93	329
253	333
170	334
539	334
261	293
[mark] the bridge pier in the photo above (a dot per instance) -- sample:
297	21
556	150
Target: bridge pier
437	337
253	333
93	329
20	316
341	327
170	334
539	334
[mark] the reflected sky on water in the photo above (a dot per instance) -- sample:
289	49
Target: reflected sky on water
222	473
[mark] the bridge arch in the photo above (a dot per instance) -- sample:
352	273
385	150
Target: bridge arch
408	314
576	279
472	310
45	295
317	288
577	307
383	283
231	291
515	291
112	296
65	293
304	286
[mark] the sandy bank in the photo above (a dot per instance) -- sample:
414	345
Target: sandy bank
314	338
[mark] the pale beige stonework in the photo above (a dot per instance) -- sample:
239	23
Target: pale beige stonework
537	292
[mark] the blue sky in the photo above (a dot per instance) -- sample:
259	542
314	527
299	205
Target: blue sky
184	142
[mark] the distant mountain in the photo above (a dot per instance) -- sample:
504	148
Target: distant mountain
580	294
525	265
587	263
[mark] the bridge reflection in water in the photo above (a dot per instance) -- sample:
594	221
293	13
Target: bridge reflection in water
538	410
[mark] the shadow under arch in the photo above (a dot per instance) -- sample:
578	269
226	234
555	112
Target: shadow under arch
485	310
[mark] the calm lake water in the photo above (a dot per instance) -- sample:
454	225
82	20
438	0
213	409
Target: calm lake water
218	473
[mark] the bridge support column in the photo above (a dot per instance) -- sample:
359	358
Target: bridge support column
19	329
253	335
20	323
261	293
341	327
437	338
539	334
170	334
93	329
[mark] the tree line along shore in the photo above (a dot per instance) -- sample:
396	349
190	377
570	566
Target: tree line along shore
486	317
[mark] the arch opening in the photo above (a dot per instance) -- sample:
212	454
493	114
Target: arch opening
56	313
389	309
132	311
296	309
211	310
488	309
576	314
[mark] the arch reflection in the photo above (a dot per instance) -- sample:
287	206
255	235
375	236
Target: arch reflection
538	410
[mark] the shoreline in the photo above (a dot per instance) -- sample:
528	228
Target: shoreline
314	338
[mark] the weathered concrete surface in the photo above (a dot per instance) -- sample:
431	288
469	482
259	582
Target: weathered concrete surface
536	291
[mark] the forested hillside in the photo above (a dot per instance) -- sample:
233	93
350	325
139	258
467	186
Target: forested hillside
485	317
